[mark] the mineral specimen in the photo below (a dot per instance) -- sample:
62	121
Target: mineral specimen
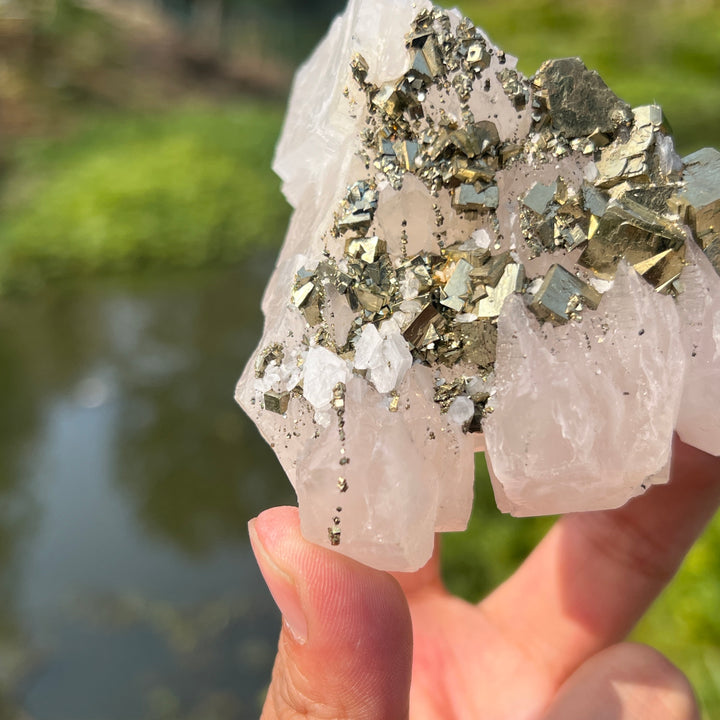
478	261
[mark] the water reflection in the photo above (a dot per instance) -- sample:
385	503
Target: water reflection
127	476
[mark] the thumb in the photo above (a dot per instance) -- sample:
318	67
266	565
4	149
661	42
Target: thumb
345	649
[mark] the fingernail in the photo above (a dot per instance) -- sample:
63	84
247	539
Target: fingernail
281	586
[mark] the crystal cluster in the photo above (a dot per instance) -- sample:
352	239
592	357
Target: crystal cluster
478	261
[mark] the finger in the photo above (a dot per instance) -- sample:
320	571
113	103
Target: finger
425	580
626	682
345	649
595	574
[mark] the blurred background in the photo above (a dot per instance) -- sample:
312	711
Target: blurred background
139	220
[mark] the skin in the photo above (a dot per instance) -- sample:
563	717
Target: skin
548	644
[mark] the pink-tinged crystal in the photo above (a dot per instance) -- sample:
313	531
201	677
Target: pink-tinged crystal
699	307
437	222
584	412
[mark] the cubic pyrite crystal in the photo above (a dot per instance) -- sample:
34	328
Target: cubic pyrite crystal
478	261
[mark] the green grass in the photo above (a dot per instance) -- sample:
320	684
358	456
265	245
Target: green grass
184	188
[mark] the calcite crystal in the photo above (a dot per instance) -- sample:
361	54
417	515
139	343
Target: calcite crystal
478	261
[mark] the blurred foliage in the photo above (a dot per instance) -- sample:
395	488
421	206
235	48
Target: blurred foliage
63	61
185	188
49	54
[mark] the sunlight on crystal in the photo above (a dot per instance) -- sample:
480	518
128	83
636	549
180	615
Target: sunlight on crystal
478	261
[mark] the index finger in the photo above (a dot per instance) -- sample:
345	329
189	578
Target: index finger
595	574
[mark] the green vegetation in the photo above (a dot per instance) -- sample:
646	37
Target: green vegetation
184	188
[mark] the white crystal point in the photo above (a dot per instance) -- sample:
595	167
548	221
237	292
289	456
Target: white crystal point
323	371
699	309
584	413
387	513
384	354
448	452
368	348
461	410
404	475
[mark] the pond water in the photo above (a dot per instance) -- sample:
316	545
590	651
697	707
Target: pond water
127	477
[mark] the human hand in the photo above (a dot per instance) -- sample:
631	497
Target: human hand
361	644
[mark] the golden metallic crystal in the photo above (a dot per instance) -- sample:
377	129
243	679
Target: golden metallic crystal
276	402
579	103
698	201
561	295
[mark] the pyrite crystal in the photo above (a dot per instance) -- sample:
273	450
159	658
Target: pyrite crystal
478	261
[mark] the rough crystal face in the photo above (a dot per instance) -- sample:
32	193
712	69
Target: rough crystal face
478	261
579	103
699	306
598	400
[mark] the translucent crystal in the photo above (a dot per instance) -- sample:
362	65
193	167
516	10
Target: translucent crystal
388	496
584	412
699	308
478	261
323	371
384	354
461	410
